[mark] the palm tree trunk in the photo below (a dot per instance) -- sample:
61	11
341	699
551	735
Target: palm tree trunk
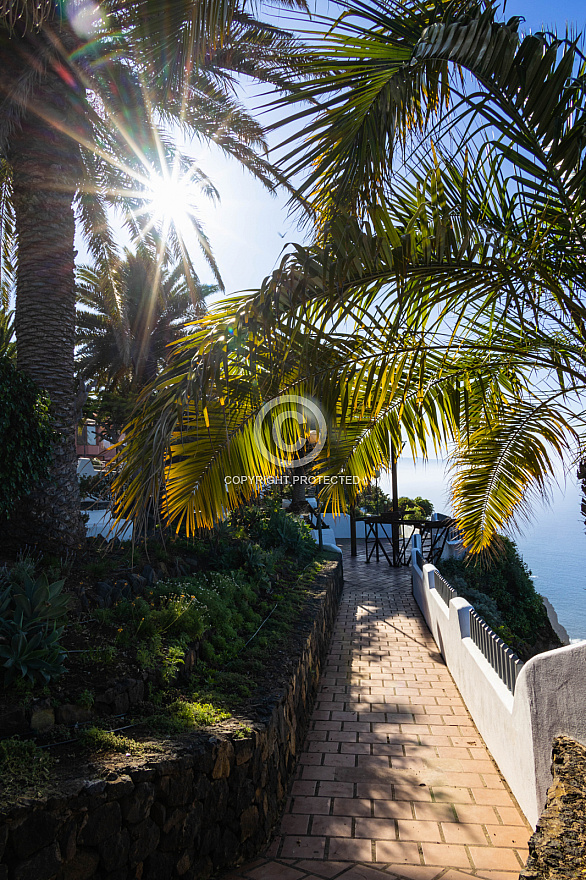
44	162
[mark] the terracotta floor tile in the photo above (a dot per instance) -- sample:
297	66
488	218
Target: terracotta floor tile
413	872
376	829
340	760
494	857
305	787
445	855
438	812
456	832
511	816
322	746
498	875
393	809
350	850
454	874
321	869
475	814
513	836
412	829
319	805
412	792
275	871
492	796
298	847
363	872
291	824
319	773
336	789
352	807
397	851
332	826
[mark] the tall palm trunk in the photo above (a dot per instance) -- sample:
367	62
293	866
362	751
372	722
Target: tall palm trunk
44	162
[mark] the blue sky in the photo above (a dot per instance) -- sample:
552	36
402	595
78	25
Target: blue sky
249	227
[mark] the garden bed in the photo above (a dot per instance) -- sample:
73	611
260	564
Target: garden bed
195	780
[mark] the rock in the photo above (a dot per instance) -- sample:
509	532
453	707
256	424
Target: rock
249	822
137	806
101	824
159	866
163	570
184	863
70	714
119	787
83	866
37	831
138	583
191	561
13	721
149	575
103	589
94	787
3	839
146	842
557	849
224	760
43	866
42	720
114	851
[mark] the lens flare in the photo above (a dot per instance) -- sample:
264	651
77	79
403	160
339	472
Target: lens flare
85	17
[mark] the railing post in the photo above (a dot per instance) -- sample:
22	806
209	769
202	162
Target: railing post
395	524
353	549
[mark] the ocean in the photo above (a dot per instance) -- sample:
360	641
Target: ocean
553	544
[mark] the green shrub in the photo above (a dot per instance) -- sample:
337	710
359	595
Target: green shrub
86	699
196	714
26	435
502	592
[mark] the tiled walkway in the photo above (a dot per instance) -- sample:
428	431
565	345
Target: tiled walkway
394	780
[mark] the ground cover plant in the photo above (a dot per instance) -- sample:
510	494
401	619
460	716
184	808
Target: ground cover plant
501	590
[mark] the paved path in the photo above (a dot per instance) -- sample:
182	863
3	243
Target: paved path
394	779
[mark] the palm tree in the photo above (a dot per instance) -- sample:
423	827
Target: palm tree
125	339
81	108
440	285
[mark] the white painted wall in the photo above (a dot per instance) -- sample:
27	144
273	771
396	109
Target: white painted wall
102	523
549	700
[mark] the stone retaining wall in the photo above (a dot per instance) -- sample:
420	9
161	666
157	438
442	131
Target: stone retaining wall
208	804
557	849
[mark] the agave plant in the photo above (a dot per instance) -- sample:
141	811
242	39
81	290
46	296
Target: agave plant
32	617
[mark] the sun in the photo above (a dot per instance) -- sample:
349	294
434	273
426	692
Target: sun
171	201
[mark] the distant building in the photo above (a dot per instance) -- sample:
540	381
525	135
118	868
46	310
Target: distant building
89	443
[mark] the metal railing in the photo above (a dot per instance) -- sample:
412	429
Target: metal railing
444	589
505	662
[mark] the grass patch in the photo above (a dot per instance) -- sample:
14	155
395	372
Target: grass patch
25	769
98	740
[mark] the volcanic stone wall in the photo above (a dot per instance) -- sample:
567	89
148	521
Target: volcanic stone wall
208	803
557	849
